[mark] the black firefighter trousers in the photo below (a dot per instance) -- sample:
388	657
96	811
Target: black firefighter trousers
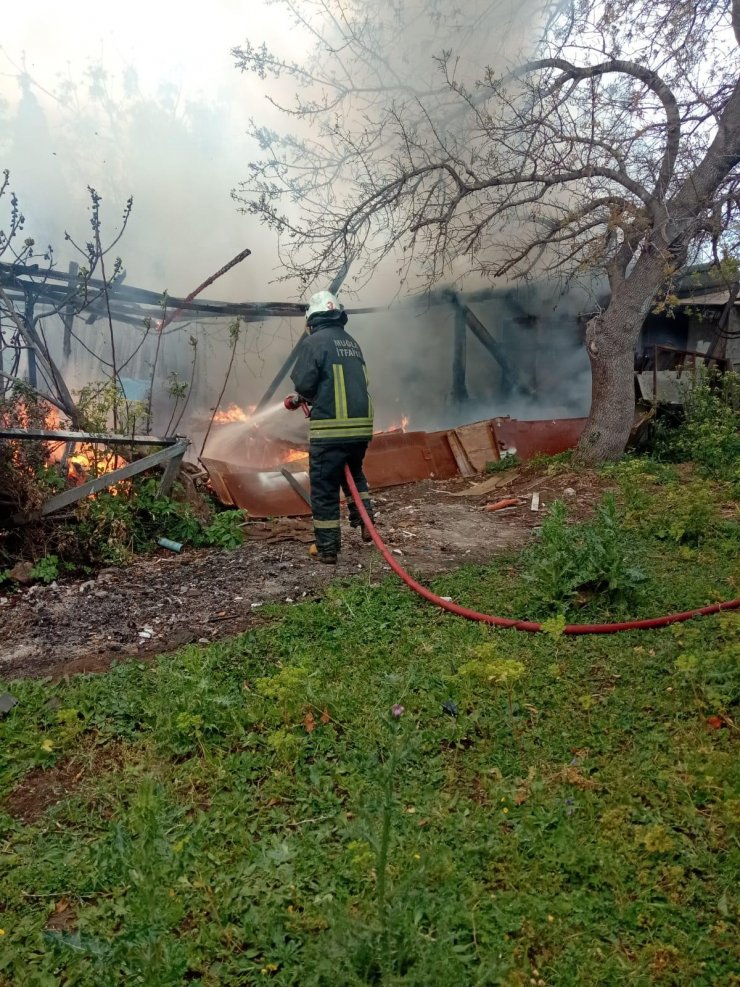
326	472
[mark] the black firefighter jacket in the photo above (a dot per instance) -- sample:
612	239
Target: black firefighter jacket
330	373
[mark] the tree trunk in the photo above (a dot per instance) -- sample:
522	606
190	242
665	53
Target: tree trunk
611	338
610	347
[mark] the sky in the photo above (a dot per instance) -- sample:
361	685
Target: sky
166	123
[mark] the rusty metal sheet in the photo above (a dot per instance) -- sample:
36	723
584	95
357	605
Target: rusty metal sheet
527	439
263	493
393	458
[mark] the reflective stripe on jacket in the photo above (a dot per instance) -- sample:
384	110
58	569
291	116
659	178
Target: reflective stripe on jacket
330	373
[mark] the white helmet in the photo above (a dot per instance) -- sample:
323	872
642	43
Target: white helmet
323	301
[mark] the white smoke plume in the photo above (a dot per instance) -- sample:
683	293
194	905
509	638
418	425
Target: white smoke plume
141	103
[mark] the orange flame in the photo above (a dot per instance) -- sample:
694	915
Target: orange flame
83	461
399	426
293	455
234	414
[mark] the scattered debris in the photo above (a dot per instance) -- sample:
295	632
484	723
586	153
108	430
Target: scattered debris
21	572
479	489
535	505
49	632
173	546
569	492
258	483
450	708
7	702
501	504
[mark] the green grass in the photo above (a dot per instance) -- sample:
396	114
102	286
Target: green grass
574	823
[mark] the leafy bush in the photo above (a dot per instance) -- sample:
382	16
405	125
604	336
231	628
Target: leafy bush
688	514
27	478
684	512
108	528
575	559
505	463
710	432
115	524
46	569
226	531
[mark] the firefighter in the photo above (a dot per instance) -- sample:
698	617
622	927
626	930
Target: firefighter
331	376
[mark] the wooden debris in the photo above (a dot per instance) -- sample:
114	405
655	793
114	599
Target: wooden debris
479	489
501	504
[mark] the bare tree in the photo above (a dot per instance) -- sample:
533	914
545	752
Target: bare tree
26	271
613	146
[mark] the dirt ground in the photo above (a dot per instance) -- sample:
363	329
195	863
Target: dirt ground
164	601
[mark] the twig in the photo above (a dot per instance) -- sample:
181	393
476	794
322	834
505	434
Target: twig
234	332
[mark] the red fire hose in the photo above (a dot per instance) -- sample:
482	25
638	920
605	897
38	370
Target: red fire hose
522	625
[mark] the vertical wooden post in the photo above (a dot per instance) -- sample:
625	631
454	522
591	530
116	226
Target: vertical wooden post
459	391
69	312
171	471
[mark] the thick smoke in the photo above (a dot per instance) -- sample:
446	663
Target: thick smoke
164	119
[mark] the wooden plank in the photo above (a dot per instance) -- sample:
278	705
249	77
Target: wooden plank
479	444
170	473
458	451
89	438
69	497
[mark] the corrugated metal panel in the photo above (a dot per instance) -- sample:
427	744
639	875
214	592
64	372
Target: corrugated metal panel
394	458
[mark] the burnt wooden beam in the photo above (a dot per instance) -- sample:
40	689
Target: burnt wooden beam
69	314
280	375
89	438
511	378
172	454
459	390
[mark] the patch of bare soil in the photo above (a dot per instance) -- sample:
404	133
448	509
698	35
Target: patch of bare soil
163	602
43	788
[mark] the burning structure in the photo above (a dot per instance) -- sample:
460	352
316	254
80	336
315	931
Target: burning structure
436	364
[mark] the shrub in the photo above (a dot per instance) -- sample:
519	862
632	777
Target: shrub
710	432
574	559
226	530
46	569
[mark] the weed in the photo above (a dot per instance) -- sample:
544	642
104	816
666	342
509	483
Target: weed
712	673
505	463
569	560
46	570
554	464
226	530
